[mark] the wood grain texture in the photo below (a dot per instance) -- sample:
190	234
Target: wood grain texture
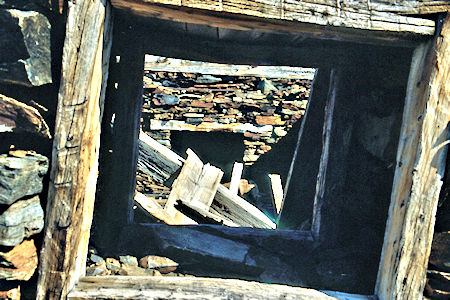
418	176
323	165
118	287
314	17
75	148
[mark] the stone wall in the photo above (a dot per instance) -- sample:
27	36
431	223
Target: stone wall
28	95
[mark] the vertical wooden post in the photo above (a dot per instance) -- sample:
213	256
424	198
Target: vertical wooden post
120	148
75	147
419	171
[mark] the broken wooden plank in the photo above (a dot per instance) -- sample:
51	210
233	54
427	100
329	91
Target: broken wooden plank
17	116
76	143
239	207
236	177
196	184
323	19
419	171
129	287
154	208
210	216
156	160
277	191
159	63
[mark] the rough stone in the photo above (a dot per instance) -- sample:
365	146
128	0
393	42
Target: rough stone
25	56
16	116
21	220
128	270
20	262
98	269
163	264
128	260
113	264
21	176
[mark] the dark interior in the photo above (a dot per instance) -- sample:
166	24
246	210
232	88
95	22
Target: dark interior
369	95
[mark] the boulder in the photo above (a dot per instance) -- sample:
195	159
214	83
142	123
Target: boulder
25	56
21	220
21	176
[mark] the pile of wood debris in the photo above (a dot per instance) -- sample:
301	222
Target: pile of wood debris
196	195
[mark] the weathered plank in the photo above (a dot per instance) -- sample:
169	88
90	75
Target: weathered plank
17	116
156	160
196	184
75	149
238	207
158	63
153	207
118	287
277	191
326	136
326	19
419	171
236	177
210	127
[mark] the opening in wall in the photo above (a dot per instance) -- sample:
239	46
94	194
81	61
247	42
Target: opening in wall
229	116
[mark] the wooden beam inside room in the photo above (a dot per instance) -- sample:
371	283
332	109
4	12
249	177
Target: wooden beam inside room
419	171
347	21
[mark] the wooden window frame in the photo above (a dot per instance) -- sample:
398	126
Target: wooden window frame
420	158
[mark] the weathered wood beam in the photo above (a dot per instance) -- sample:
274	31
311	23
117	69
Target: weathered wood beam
118	287
75	149
158	63
419	171
322	19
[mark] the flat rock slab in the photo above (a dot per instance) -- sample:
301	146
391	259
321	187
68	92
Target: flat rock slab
21	220
25	56
21	176
19	263
16	116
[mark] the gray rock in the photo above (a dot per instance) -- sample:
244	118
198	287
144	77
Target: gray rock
208	79
21	176
113	264
95	258
128	260
265	86
21	220
164	99
25	56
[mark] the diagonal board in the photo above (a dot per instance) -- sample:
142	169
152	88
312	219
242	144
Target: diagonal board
196	184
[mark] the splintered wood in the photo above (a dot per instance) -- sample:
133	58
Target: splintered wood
196	193
196	185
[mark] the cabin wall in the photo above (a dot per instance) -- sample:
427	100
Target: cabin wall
31	39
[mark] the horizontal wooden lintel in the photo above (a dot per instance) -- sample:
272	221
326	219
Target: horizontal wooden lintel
349	21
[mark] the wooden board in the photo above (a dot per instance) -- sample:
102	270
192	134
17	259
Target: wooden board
346	20
419	171
236	177
196	184
158	63
76	143
153	207
119	287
